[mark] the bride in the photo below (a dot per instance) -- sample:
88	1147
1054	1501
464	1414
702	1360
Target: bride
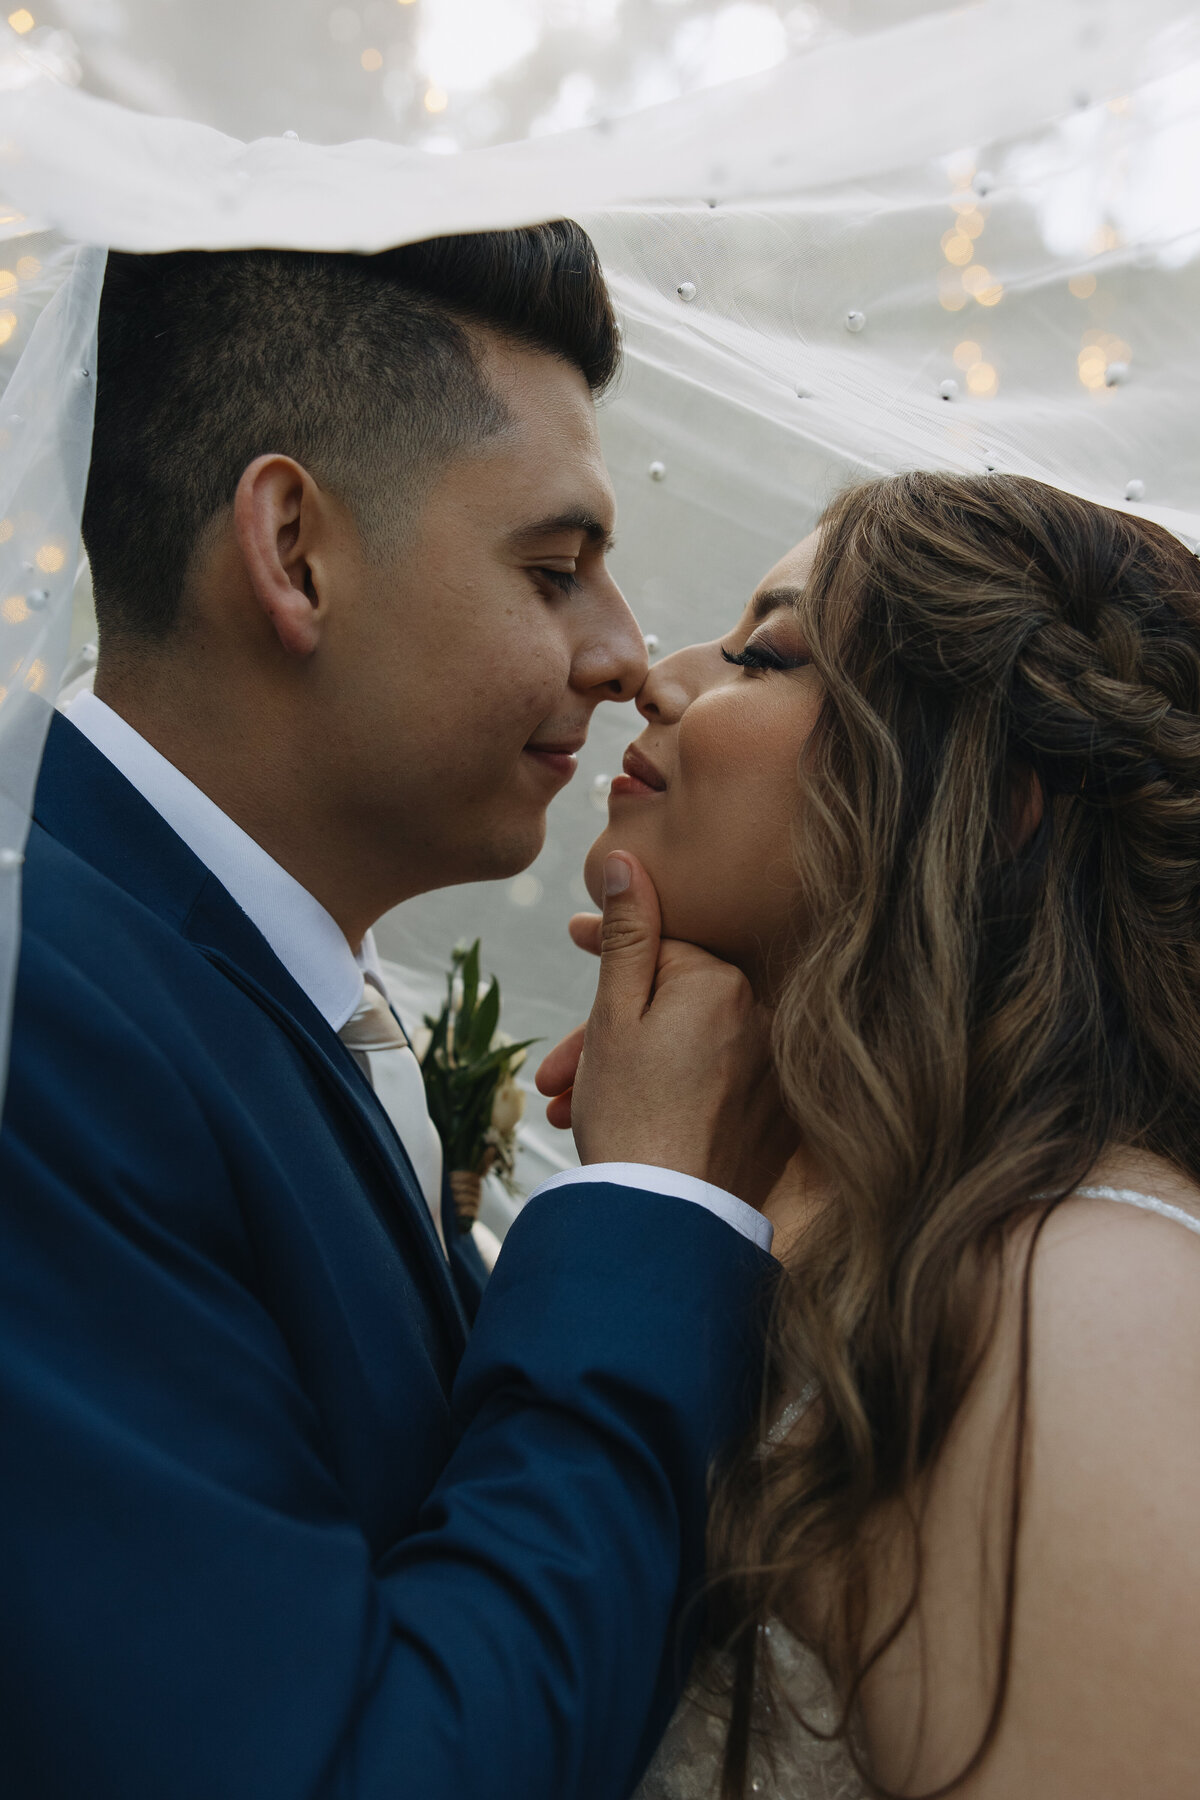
938	795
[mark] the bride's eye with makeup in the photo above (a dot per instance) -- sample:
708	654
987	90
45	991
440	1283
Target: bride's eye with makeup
760	655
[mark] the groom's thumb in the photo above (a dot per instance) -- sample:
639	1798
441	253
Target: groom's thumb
629	940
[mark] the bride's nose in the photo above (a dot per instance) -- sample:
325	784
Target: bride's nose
671	685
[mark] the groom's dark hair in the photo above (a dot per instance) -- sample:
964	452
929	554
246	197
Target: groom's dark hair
362	368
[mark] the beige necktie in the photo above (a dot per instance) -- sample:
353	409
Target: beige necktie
371	1026
372	1029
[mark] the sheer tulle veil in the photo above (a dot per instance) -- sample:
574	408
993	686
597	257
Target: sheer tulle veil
967	241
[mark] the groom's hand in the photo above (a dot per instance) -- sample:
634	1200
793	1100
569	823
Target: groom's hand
673	1067
556	1073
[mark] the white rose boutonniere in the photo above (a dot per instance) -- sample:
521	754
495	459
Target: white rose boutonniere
469	1066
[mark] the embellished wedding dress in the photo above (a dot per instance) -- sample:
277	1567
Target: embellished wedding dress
687	1764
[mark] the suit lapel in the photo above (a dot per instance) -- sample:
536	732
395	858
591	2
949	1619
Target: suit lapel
352	1098
87	804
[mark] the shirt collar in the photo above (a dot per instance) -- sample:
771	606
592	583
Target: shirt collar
306	939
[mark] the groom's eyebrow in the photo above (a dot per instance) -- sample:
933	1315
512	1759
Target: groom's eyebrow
574	519
772	600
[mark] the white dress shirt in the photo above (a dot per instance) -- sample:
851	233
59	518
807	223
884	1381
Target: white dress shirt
311	947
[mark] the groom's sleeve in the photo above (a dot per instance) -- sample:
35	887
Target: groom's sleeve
188	1608
617	1348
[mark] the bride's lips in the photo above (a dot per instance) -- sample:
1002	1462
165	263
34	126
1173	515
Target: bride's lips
558	758
640	777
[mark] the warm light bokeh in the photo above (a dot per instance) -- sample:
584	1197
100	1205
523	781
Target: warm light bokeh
1100	349
982	380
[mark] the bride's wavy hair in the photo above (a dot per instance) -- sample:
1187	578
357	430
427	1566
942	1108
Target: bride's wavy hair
979	1004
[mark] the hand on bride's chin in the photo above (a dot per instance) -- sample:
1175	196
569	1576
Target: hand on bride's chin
770	1156
673	1068
674	923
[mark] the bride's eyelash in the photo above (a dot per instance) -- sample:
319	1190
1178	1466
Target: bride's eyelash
565	580
762	656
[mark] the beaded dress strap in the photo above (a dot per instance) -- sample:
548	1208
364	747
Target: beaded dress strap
792	1413
1147	1202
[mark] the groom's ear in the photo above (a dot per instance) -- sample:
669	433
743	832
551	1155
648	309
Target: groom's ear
281	518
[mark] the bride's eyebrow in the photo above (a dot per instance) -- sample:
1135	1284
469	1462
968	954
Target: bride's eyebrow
772	600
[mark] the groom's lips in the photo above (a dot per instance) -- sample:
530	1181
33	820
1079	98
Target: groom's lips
559	758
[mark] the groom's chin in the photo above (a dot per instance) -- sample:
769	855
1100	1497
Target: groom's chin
509	853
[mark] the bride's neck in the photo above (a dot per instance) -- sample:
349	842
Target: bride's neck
794	1201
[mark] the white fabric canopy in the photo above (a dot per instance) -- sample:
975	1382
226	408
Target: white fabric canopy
850	110
967	240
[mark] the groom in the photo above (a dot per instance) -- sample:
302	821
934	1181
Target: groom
279	1522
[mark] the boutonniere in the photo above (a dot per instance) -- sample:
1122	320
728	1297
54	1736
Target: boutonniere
469	1066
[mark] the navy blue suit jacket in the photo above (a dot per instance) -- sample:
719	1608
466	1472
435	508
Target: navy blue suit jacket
273	1525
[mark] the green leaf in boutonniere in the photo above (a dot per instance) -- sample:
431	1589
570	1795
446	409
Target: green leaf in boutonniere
469	1068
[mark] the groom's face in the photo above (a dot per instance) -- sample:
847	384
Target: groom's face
473	659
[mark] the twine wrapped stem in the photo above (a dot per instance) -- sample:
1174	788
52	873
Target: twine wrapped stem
466	1188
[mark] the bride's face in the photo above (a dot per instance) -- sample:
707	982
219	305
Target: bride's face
708	798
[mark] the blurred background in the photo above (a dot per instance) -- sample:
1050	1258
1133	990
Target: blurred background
440	75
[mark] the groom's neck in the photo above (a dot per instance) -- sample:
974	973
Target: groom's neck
247	754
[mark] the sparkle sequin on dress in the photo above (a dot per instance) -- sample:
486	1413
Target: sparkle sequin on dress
687	1764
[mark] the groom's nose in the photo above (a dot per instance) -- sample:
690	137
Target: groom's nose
610	663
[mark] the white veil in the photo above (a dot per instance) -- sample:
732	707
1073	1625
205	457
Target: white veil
45	446
965	241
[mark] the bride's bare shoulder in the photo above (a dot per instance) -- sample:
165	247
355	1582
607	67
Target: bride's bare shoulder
1105	1656
1120	1254
1115	1303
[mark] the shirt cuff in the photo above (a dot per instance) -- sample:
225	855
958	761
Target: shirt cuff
651	1180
